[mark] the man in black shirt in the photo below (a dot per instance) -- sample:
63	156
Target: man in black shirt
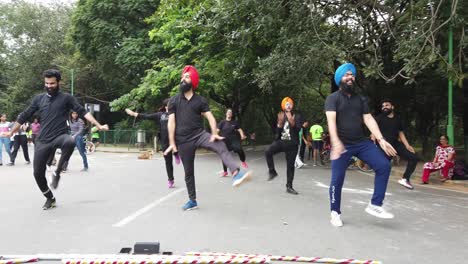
346	112
233	135
186	133
392	130
53	108
161	118
287	141
304	142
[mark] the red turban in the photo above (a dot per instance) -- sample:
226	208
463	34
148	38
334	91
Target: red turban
193	75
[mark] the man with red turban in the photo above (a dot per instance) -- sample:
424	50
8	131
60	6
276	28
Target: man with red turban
186	133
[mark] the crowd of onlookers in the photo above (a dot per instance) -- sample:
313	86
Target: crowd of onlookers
28	133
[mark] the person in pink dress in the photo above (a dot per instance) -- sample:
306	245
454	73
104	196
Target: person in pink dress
35	129
444	161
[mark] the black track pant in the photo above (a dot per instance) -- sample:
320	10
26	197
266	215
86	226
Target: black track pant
168	160
290	149
302	150
409	156
235	146
187	155
20	140
42	152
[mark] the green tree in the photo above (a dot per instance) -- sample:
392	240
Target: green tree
32	37
113	37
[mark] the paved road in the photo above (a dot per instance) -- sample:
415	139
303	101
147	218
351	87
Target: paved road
122	200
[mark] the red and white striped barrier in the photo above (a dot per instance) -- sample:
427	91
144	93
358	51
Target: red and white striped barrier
170	259
188	258
18	260
288	258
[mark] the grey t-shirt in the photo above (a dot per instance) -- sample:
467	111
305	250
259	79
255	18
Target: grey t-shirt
77	127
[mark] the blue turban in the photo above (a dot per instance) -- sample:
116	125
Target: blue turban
342	70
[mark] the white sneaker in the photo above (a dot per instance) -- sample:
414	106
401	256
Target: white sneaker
405	183
378	211
298	164
336	219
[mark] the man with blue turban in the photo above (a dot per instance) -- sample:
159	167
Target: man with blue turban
346	112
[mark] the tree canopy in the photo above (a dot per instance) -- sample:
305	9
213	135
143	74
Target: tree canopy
250	54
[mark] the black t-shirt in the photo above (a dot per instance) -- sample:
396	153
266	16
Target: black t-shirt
189	121
229	128
162	118
53	112
349	113
288	132
390	127
305	133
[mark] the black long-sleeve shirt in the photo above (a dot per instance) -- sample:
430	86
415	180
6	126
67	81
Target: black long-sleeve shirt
53	112
162	118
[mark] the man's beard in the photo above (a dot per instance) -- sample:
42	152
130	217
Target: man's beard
387	111
347	88
52	91
184	87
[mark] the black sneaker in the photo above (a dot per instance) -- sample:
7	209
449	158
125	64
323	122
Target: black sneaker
50	203
272	174
291	190
28	162
55	180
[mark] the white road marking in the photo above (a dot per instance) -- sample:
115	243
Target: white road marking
350	190
145	209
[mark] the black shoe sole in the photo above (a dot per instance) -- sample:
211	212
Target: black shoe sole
291	191
50	207
272	176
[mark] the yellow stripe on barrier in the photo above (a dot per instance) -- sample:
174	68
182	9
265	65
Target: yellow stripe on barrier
18	260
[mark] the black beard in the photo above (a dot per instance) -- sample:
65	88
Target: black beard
184	87
52	91
347	88
387	111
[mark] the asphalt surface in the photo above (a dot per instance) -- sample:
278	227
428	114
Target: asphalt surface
122	200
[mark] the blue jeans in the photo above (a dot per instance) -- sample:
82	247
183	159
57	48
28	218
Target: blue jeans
5	141
80	145
370	154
